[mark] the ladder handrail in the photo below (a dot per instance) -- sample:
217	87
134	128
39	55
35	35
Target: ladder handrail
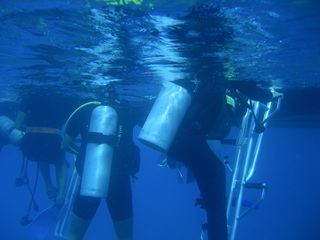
67	207
248	147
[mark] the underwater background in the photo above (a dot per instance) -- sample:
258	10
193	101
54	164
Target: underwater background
163	207
64	46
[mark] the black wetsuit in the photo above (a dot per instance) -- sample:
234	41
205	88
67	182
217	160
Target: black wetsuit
126	160
43	112
191	148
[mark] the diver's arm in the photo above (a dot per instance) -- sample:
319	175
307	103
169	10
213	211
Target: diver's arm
68	145
253	91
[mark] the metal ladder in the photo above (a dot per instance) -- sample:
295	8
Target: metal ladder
247	150
60	231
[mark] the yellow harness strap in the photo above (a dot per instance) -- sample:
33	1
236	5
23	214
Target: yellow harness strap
43	130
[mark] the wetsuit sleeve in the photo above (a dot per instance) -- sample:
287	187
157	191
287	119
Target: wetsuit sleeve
252	91
79	122
74	125
72	129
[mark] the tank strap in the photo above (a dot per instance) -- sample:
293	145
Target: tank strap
43	130
99	138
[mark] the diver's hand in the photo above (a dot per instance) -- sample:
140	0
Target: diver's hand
276	95
68	145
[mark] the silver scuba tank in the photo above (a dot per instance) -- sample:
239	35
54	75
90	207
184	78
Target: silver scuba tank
99	152
165	117
9	132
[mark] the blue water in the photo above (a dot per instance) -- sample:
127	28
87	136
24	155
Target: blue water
72	44
71	47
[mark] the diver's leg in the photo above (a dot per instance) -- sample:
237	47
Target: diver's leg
78	227
120	205
123	228
61	178
45	172
209	172
84	208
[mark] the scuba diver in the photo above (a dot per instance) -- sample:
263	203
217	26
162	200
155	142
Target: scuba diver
198	104
106	159
41	117
186	141
181	122
187	107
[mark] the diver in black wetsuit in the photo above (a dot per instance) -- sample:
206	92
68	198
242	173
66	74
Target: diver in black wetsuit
199	36
41	116
190	147
210	115
125	163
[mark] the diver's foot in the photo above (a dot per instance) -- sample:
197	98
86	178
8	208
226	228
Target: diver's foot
52	193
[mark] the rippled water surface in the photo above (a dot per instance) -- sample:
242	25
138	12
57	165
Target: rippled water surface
80	47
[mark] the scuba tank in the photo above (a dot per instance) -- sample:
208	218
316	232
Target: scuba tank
165	117
8	131
99	152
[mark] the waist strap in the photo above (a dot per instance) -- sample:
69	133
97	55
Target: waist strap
43	130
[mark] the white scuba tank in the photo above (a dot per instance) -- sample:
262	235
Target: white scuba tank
165	117
8	131
99	152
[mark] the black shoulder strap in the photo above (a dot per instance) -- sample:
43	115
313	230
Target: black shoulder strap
99	138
